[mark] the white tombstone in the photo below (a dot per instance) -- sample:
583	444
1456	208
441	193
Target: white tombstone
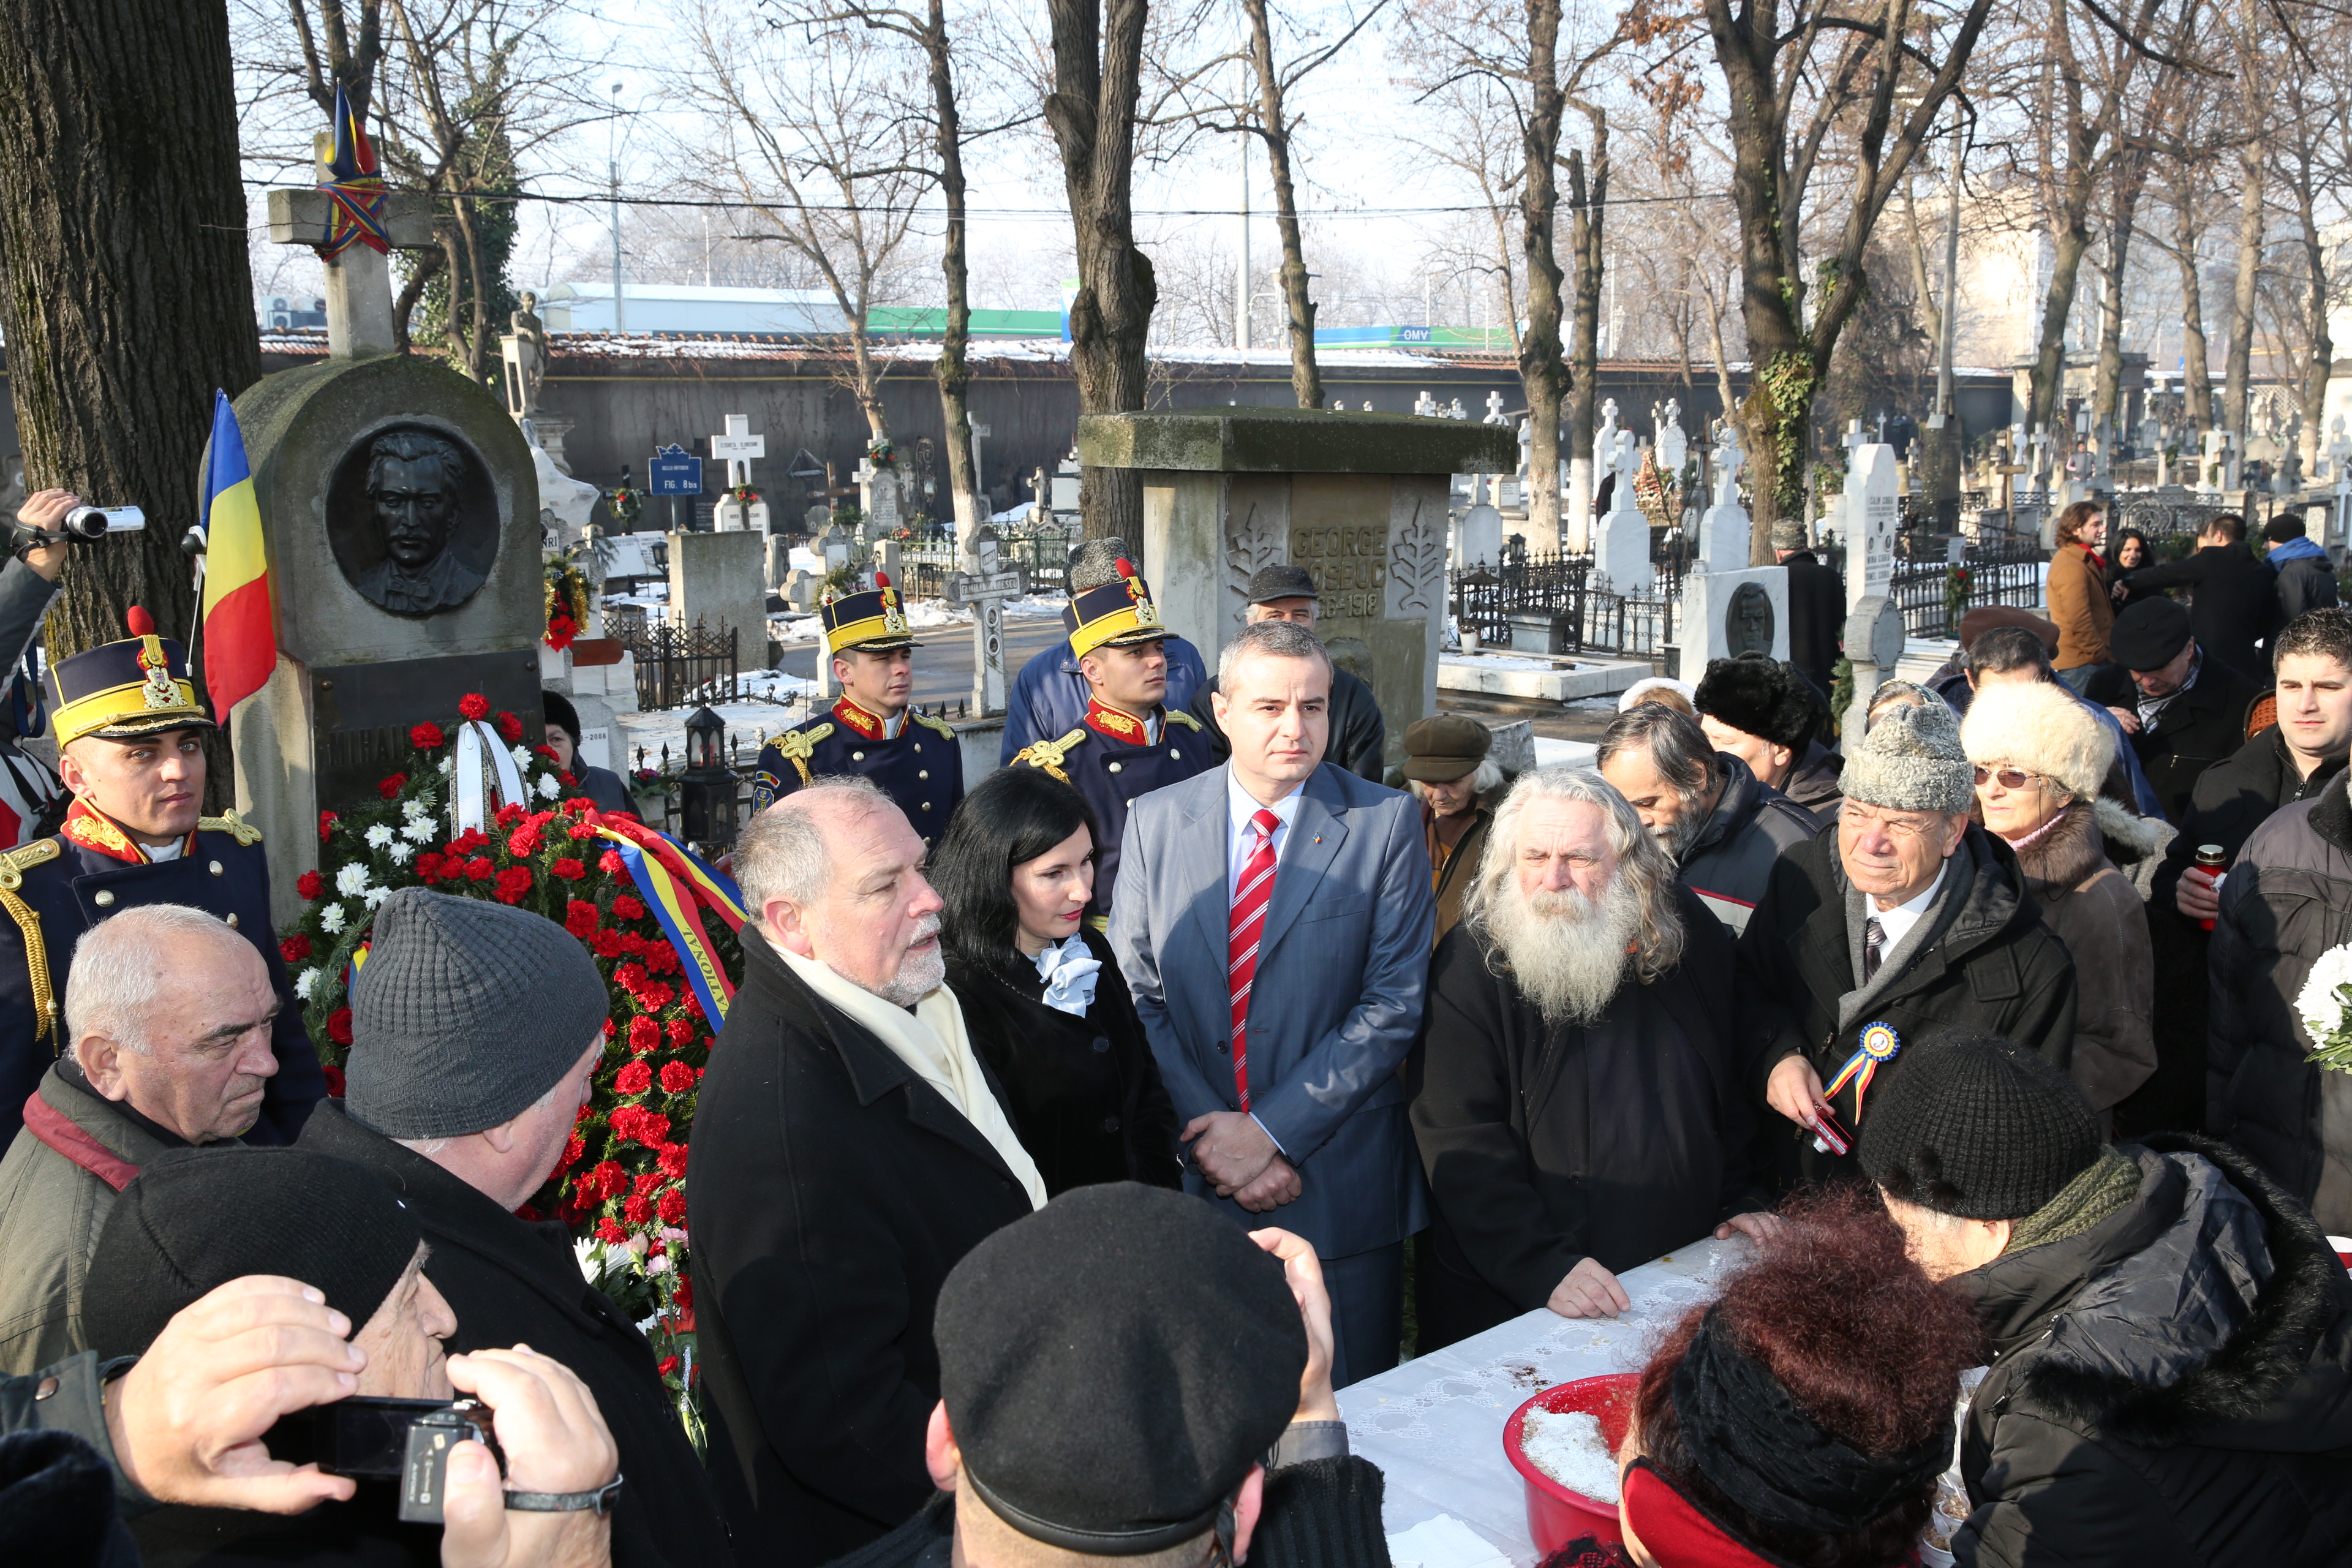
1726	614
1604	438
1871	517
1426	406
1478	538
1495	409
1674	447
1621	548
2211	470
1723	532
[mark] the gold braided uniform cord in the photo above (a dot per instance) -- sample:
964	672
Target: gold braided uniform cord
1049	754
799	745
28	923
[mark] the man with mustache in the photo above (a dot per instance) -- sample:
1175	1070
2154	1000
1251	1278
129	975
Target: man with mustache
1577	1098
849	1148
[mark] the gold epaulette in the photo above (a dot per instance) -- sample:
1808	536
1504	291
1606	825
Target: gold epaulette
230	823
1180	717
13	867
941	725
1048	754
797	746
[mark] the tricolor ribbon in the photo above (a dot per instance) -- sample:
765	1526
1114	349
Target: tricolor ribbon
479	747
673	881
356	195
1879	1044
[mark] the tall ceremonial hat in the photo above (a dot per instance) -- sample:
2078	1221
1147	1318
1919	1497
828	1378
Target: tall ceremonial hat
117	690
870	622
1118	614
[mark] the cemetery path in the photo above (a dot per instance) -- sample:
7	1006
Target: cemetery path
944	665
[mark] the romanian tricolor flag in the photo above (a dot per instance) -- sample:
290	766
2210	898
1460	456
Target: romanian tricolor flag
239	628
355	193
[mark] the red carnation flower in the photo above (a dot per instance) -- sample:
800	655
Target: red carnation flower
509	727
466	843
671	1207
513	883
578	830
429	867
628	908
677	1078
567	780
338	1026
607	944
685	1302
524	843
473	705
635	1079
579	808
672	1161
573	1147
667	1365
610	864
610	1179
580	919
649	1128
637	1211
547	751
645	1182
679	1031
606	1230
569	870
309	884
295	948
335	1079
643	1033
480	868
390	785
427	737
327	820
508	814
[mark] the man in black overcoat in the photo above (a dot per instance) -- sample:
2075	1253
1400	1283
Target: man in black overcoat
1576	1097
849	1148
2184	709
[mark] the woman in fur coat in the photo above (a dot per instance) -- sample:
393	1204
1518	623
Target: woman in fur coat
2040	760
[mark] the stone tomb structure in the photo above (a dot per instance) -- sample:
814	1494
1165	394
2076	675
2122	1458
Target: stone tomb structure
1358	499
400	506
1728	606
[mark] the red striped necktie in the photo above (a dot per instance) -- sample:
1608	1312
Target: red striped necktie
1251	895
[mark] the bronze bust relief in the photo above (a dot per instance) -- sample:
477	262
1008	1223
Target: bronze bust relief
1747	621
413	520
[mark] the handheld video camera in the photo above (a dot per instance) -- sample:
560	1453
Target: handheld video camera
404	1440
82	525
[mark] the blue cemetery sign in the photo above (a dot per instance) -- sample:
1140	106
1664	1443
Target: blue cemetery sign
673	471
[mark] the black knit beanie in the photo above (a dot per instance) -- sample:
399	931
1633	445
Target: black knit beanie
196	1219
1968	1124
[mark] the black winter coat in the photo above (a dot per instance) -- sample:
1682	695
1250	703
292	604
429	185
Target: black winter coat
2202	726
2171	1388
1729	863
2305	584
1816	618
1545	1144
2287	901
2233	601
1359	739
1993	966
1084	1094
831	1192
509	1282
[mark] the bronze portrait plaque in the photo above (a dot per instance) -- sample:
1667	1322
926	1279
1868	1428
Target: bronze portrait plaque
414	519
1747	621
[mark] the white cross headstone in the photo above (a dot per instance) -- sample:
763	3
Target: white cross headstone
2209	470
1674	447
1723	532
1527	445
1425	404
1495	409
1604	438
1871	516
1621	550
359	281
1457	411
736	448
2339	448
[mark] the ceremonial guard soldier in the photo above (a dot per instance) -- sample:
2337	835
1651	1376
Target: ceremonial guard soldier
1130	743
130	747
916	761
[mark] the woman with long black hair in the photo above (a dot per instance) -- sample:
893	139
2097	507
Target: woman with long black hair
1043	998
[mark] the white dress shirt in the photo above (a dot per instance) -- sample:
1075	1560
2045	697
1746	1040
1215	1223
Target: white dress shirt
1242	833
1898	921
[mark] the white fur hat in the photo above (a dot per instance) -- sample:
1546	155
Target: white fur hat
2041	728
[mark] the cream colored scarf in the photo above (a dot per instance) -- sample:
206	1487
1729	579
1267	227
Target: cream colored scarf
930	1040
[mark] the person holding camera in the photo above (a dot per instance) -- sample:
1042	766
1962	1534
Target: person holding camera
30	792
196	1219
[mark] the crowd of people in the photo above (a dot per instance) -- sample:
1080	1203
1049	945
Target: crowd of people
1072	1137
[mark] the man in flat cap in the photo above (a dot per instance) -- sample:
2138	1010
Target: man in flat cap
1359	737
1114	1371
1051	693
1907	918
476	1029
130	734
871	731
2183	708
1448	770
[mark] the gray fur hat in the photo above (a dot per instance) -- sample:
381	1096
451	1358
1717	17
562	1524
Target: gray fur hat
1911	760
1095	562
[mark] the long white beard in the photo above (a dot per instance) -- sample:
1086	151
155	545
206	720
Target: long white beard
1567	954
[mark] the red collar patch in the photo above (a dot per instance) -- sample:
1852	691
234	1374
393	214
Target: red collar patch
1116	723
867	724
93	829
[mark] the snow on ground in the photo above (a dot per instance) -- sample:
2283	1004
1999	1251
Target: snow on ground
769	701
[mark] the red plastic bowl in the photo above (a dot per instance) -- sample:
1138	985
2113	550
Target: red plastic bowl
1556	1515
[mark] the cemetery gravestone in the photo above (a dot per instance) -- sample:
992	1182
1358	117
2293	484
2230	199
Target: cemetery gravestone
1871	518
1728	606
1478	537
715	579
1621	550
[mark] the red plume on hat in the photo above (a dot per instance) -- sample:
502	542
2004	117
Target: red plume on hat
881	579
141	622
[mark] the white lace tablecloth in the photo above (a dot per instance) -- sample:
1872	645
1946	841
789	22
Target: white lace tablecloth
1435	1425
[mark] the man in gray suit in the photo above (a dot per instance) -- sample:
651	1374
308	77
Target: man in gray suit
1272	923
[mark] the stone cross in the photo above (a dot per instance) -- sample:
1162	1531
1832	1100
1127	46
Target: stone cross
1527	445
359	281
1728	461
1724	530
1457	411
984	584
2209	472
1604	440
2339	447
1495	409
1426	406
1674	447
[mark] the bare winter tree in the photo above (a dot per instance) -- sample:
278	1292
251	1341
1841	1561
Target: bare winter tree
335	53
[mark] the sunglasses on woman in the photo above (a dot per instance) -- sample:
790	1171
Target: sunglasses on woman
2011	778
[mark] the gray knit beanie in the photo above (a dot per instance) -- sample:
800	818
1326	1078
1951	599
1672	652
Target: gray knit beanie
466	1012
1911	760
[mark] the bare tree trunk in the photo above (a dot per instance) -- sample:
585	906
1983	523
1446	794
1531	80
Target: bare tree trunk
2237	363
1098	74
1541	370
2106	394
2196	355
128	296
330	57
2070	240
1587	198
1273	128
864	384
954	370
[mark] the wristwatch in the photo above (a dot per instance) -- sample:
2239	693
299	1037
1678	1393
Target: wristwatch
601	1500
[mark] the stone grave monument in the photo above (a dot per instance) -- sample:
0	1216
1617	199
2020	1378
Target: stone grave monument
1358	499
1728	606
737	448
984	582
1477	537
1868	519
1874	646
1621	546
717	580
400	502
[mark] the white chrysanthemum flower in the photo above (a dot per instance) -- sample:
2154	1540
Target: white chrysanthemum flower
420	831
415	810
521	757
548	788
331	918
306	983
353	878
2321	1007
374	897
400	853
448	766
379	835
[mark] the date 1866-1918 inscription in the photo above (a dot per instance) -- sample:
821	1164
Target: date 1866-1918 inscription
1349	567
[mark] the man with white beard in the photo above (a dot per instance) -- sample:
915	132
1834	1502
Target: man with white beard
849	1149
1576	1098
